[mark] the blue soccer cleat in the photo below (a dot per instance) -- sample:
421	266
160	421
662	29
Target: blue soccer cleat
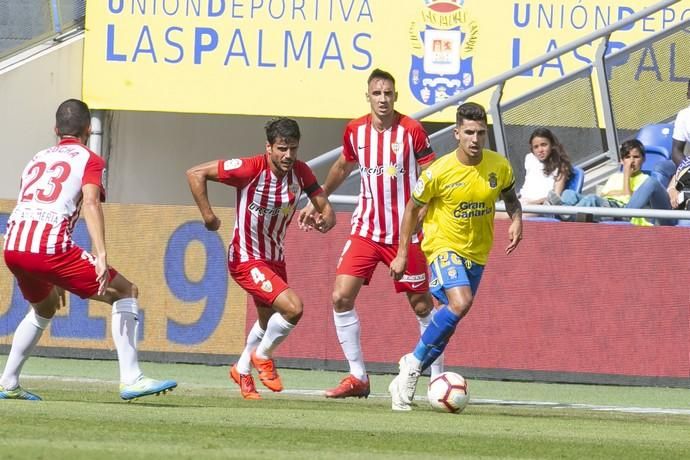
18	393
145	387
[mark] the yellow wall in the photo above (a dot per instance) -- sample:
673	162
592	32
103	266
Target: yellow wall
311	57
182	276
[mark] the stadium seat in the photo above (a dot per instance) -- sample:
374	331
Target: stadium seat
577	180
658	136
653	155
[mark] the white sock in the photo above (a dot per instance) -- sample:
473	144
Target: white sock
413	362
277	330
124	330
348	328
436	367
253	341
25	339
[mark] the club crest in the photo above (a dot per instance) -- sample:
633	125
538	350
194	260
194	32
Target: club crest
229	165
266	286
493	180
443	39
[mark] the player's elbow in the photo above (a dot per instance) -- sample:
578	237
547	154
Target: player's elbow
192	174
195	176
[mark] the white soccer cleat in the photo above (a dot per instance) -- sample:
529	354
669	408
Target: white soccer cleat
145	386
397	403
407	379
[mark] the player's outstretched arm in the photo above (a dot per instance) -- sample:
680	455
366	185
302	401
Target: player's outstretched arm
197	177
407	228
514	210
339	171
324	219
95	224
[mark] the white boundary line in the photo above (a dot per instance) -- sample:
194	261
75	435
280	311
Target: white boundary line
474	401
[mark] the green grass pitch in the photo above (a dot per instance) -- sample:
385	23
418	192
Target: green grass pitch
82	417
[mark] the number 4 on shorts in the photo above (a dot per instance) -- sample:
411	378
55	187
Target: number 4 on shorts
257	276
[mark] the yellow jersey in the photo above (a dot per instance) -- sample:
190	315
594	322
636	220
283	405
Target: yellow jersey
461	204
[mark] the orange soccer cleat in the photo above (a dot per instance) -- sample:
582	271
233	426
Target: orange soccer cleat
267	373
350	387
246	383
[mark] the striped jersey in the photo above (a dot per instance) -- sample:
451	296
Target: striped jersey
50	198
265	205
389	167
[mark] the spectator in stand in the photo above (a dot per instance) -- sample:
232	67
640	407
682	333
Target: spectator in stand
629	188
547	168
665	170
680	182
681	132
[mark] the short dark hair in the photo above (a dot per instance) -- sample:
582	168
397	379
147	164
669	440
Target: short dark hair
282	127
470	111
378	74
72	118
631	144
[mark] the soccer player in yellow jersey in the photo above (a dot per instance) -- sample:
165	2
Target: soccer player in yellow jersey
460	191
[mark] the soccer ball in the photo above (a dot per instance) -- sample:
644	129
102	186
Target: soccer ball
448	392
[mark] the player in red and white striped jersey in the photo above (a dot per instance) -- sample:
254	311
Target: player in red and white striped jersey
389	149
39	250
268	187
50	198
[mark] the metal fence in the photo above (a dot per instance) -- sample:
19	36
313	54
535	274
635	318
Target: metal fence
636	76
590	110
26	22
566	106
594	109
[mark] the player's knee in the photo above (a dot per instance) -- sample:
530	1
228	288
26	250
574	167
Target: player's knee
342	302
293	313
121	288
422	309
126	291
461	307
421	304
46	309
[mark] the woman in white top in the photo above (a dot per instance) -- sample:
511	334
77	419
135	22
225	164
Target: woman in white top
547	167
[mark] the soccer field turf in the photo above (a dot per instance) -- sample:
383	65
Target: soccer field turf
82	417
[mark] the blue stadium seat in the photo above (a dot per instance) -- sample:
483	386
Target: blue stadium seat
654	154
577	180
659	136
